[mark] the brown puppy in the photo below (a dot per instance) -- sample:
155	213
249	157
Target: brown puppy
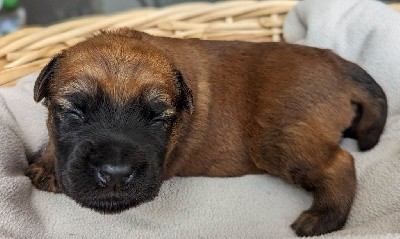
128	110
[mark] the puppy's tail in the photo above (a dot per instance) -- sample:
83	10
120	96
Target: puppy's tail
371	106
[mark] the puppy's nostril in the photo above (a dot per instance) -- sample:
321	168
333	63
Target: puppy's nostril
115	175
103	177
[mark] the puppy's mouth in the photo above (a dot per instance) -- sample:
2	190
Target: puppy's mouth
111	201
111	205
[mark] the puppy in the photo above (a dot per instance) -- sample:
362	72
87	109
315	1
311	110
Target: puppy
127	110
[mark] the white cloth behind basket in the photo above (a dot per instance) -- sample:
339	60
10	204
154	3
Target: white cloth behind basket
245	207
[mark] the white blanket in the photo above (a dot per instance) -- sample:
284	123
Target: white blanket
245	207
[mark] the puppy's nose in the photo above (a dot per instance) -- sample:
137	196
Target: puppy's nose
115	175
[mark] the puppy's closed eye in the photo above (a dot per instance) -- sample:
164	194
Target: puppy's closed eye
164	118
73	114
160	112
69	112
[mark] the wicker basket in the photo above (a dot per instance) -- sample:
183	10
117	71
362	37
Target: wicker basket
29	49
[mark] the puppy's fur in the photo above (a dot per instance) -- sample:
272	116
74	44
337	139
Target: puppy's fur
163	107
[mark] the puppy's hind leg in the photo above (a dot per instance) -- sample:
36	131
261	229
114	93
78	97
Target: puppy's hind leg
323	169
41	171
333	185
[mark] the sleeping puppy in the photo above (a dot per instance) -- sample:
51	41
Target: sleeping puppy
128	110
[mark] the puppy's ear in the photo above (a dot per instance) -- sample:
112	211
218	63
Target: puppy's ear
185	97
41	88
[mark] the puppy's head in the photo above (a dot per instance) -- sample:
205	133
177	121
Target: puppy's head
114	102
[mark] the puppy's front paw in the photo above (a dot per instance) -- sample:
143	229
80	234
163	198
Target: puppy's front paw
43	177
313	223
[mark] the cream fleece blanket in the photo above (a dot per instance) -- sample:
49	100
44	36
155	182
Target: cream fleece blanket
245	207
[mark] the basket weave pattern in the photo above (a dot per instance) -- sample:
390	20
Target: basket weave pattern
29	49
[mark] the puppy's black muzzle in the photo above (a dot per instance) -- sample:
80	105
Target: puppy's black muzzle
111	175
